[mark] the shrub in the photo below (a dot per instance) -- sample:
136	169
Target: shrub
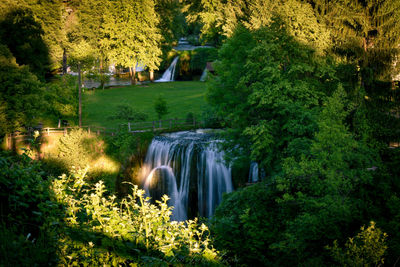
74	149
189	117
160	106
367	248
126	231
23	196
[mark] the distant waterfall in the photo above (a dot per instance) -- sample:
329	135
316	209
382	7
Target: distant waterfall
253	173
204	75
169	74
188	167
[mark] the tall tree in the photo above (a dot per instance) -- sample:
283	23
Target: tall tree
267	82
132	36
220	17
20	94
24	37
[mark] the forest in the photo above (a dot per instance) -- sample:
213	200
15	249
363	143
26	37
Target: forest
307	89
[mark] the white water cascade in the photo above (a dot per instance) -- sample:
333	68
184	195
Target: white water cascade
253	173
188	167
169	74
204	75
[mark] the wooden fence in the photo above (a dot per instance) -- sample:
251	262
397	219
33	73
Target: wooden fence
131	127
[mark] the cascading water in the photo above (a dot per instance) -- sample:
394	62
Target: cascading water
188	167
253	173
204	75
169	74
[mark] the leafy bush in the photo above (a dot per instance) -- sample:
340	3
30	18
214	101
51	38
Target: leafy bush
365	249
160	106
129	230
125	112
74	149
23	196
189	117
245	224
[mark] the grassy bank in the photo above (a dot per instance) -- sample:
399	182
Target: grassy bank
181	98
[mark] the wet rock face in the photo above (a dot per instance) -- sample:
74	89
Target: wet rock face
188	167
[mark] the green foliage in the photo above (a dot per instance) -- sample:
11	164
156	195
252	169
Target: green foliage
268	89
314	201
200	57
130	39
324	187
127	113
130	230
61	100
190	117
68	221
23	196
367	248
20	94
160	106
74	149
220	18
172	21
246	223
23	36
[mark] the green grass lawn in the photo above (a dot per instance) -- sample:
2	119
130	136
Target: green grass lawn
181	97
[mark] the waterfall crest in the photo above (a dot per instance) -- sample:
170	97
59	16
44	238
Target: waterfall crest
169	74
189	168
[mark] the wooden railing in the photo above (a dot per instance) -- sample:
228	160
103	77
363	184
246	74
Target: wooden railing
131	127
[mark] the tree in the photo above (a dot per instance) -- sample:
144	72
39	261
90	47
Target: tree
132	35
266	83
23	36
317	198
49	15
220	18
160	106
323	187
81	58
20	94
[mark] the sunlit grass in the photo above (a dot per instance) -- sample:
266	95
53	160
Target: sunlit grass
181	97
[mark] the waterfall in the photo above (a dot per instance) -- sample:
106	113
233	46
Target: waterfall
204	75
188	167
169	74
253	174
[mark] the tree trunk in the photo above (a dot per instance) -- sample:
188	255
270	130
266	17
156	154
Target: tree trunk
101	73
132	75
365	44
152	75
80	94
64	62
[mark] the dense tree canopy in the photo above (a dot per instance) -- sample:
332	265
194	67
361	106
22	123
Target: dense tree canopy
270	85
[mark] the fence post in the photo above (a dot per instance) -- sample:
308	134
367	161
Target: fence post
129	126
89	129
98	132
154	126
48	131
65	131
